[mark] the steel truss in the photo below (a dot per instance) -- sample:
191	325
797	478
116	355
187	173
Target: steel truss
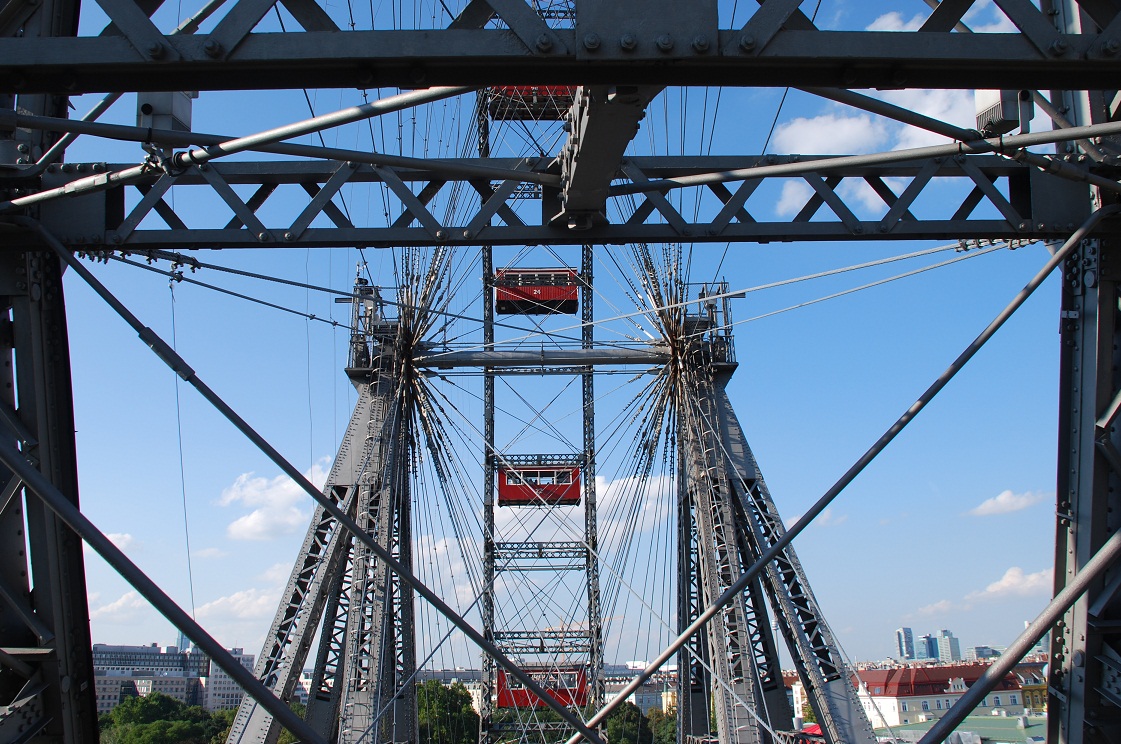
627	42
364	666
1039	205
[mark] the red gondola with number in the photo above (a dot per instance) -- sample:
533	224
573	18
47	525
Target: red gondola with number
536	291
568	686
538	485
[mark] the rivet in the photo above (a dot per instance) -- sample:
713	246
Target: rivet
212	48
664	42
591	42
628	42
1111	47
289	236
262	236
700	43
747	42
544	43
1059	47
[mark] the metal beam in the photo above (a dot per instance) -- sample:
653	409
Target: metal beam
543	357
480	57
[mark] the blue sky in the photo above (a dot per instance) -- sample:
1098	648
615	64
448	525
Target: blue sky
952	527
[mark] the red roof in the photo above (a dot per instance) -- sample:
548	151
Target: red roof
917	681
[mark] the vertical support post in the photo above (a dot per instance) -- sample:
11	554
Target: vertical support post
59	691
1085	658
51	692
486	713
591	531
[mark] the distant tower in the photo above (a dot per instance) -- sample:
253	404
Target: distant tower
904	644
926	647
949	648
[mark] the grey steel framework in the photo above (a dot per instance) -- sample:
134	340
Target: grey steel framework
622	52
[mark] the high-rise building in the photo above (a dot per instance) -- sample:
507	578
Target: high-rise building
904	644
949	648
221	692
926	647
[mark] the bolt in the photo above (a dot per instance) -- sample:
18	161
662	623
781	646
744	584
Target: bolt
664	42
1111	47
858	229
262	236
115	238
883	228
530	161
442	234
81	167
98	167
352	164
591	42
66	167
156	50
700	43
628	42
212	48
22	147
1059	47
289	236
468	234
544	43
1023	226
747	42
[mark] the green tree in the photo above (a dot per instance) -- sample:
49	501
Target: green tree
808	714
663	725
286	736
445	714
147	709
627	725
221	721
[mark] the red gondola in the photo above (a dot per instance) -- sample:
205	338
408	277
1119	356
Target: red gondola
568	686
538	485
536	291
530	102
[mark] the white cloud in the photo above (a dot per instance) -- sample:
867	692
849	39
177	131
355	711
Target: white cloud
249	604
123	609
832	133
207	553
280	504
122	540
1015	583
794	196
1007	502
952	106
829	518
277	573
893	21
940	607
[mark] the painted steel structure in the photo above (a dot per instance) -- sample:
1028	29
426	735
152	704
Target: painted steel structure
45	683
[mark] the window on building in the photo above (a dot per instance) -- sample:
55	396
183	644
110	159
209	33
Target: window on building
1012	700
996	700
984	702
903	706
938	704
926	705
